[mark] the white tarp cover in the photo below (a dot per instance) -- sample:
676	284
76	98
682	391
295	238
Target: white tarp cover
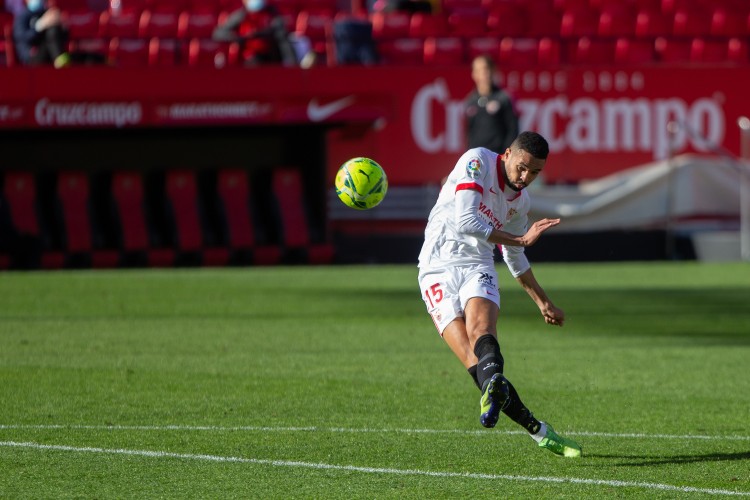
702	189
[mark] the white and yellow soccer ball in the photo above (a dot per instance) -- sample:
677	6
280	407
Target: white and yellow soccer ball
361	183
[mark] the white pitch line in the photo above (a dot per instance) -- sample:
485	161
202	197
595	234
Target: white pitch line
373	470
250	428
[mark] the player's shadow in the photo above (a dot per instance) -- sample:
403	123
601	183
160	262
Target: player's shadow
636	461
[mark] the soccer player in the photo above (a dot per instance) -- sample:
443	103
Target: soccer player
483	204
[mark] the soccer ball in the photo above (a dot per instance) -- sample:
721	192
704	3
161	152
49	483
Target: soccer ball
361	183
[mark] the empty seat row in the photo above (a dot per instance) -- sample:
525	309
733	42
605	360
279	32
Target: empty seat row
178	217
614	21
531	52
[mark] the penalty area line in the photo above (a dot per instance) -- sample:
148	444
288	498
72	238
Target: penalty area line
371	470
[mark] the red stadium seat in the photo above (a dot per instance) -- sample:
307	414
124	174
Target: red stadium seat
234	194
691	22
708	51
182	197
508	19
423	25
390	25
592	51
630	51
729	23
129	53
128	195
164	53
672	50
204	7
403	51
518	52
120	24
468	23
127	192
73	193
161	24
207	53
182	194
617	20
82	24
287	186
20	194
482	46
549	52
196	25
652	24
443	51
98	46
543	21
738	51
582	21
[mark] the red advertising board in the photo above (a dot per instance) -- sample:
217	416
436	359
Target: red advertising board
410	119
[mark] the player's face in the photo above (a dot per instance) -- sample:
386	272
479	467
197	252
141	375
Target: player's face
521	167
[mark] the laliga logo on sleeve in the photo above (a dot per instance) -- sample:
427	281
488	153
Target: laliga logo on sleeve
472	168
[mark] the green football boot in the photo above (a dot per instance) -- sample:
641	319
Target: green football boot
494	398
559	445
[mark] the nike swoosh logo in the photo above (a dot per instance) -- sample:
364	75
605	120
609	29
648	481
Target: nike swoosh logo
318	112
493	191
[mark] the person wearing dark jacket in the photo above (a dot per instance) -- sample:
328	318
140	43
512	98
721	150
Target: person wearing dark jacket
491	119
40	35
261	30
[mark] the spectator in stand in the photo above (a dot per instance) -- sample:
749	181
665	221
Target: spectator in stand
40	35
491	119
15	7
261	30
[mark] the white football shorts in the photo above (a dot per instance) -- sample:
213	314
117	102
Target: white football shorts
446	291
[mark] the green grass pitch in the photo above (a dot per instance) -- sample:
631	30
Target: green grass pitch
331	382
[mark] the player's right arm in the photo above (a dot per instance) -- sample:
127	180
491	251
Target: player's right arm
526	240
469	223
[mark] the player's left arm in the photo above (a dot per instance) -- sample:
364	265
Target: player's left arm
552	314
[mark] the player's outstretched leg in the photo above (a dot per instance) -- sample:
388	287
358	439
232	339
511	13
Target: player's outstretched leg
494	399
556	443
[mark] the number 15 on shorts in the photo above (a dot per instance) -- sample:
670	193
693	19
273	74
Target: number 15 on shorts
433	295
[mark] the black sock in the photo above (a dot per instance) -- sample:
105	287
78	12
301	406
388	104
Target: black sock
518	412
473	372
487	350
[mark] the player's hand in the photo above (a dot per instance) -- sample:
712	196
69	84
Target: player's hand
536	230
553	315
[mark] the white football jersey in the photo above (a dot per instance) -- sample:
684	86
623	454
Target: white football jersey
500	206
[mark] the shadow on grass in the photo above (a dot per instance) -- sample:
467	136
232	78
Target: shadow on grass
647	461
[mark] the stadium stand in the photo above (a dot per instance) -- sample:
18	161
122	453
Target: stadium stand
178	32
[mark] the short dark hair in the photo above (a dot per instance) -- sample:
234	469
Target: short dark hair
532	143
